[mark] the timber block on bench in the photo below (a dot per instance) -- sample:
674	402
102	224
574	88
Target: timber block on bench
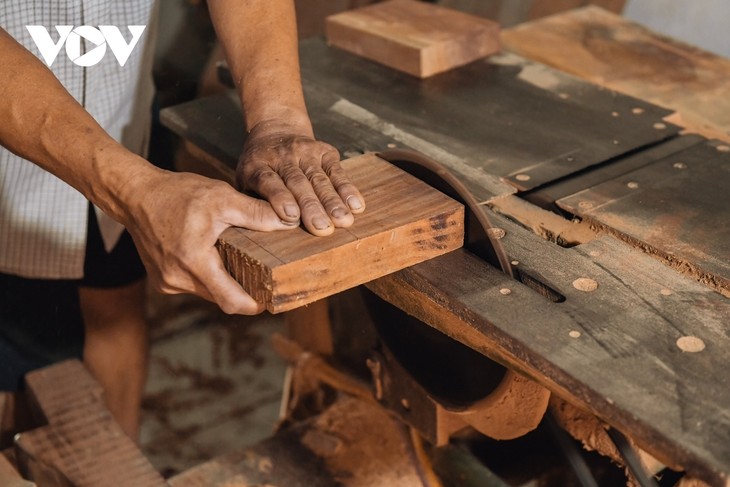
405	222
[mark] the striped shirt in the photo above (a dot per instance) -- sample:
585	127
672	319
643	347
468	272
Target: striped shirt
43	221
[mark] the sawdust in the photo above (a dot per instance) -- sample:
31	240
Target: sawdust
593	434
362	445
716	282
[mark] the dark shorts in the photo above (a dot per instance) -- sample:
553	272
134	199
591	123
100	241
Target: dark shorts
40	320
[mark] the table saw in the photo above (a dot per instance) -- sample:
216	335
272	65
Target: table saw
616	216
613	211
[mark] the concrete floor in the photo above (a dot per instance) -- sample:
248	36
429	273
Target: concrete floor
214	383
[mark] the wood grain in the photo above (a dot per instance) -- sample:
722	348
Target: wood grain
82	445
675	208
608	50
621	360
406	222
415	37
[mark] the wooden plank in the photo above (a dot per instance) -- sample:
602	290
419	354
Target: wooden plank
414	37
675	208
82	445
543	8
406	222
606	49
615	351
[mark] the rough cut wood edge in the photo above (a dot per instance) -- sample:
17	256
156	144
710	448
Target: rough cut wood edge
82	445
421	57
363	256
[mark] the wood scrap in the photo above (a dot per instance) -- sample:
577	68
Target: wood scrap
415	37
82	445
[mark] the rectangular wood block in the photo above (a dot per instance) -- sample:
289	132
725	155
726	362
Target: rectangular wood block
415	37
405	222
80	444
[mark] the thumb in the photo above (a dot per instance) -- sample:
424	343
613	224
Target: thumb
255	214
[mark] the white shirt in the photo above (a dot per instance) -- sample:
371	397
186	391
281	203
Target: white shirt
43	221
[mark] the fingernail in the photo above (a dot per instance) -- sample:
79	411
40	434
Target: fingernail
320	223
291	210
354	202
338	212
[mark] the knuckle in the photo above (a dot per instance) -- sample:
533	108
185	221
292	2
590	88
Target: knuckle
319	179
293	177
330	155
309	168
310	203
332	200
260	177
167	285
257	211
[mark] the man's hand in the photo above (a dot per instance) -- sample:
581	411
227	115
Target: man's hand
175	220
301	178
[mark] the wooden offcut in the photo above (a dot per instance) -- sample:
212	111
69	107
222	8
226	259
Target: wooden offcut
415	37
79	444
405	222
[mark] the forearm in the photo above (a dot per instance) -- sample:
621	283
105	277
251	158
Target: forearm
259	38
43	123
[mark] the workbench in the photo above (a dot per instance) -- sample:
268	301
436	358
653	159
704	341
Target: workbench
639	207
614	209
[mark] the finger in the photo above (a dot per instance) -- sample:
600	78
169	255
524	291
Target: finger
254	214
218	286
337	210
314	216
344	187
270	186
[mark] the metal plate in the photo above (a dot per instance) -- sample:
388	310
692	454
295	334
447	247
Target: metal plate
678	207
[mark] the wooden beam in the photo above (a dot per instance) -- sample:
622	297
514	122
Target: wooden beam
414	37
406	222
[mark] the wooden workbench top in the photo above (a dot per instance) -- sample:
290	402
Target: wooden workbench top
645	349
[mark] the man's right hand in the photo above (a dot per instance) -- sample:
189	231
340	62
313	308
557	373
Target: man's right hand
175	220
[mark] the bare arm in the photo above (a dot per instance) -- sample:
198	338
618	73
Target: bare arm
175	219
282	161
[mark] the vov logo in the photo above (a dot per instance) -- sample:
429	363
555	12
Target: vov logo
105	35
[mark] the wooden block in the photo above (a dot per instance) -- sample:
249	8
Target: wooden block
60	389
82	445
406	222
415	37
